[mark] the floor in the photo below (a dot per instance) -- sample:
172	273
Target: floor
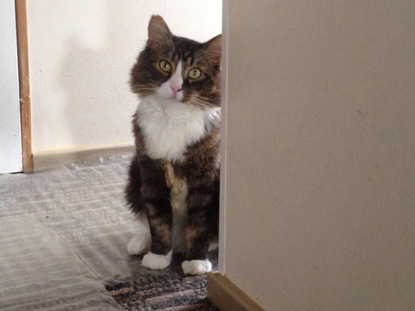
63	235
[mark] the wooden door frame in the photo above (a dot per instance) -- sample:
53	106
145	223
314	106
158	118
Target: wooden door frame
24	85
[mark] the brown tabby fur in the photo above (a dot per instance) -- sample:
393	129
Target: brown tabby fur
151	182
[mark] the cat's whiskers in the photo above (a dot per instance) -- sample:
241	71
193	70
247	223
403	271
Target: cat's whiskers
142	89
205	102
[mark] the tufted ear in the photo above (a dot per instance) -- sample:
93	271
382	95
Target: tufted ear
158	32
214	49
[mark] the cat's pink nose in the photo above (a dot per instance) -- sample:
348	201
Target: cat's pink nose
175	90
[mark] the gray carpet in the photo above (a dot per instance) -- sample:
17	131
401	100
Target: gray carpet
164	292
64	234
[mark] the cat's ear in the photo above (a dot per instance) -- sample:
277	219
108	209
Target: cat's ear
158	32
214	49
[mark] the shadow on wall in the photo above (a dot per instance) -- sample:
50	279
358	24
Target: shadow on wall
95	72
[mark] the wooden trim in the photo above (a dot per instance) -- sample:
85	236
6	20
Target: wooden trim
24	78
57	158
227	296
223	139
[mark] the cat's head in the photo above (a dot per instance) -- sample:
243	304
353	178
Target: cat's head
177	69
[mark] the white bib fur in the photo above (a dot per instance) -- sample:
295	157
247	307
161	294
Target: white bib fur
169	126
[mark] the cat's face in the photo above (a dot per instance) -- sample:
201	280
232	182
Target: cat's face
177	69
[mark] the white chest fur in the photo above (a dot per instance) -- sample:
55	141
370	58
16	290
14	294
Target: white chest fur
169	126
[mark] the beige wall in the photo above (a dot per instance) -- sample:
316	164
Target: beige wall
320	164
81	53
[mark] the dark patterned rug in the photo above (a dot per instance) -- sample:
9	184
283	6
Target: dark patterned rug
172	292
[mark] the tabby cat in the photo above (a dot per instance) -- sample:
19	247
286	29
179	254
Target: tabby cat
174	178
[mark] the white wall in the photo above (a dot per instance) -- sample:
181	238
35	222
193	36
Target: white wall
10	135
320	164
81	53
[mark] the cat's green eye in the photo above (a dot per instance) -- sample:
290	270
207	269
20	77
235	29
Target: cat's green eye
165	66
194	73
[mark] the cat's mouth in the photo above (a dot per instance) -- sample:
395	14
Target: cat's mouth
172	96
178	96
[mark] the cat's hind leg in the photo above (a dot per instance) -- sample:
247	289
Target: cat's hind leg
141	240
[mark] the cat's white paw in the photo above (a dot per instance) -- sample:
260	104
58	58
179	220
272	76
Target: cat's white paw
138	245
156	262
196	266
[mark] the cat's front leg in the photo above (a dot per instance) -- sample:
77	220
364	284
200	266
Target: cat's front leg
156	261
160	221
196	266
197	248
160	254
197	234
159	214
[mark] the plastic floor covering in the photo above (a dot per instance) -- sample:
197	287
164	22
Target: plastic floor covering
63	235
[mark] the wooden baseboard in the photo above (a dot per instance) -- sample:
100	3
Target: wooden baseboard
51	159
24	83
227	296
